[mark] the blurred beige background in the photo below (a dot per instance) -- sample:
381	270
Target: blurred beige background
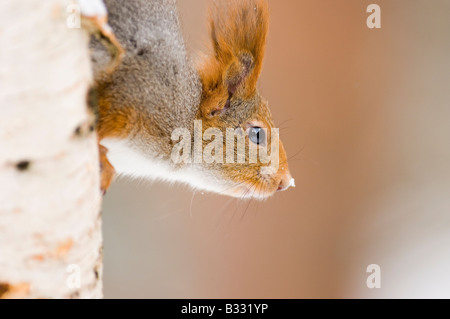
370	112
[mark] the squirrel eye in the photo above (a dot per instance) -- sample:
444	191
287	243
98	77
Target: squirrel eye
257	135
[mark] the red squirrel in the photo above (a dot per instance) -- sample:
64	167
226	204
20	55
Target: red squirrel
157	89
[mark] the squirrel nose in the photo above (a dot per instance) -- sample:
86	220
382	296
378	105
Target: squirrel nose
286	182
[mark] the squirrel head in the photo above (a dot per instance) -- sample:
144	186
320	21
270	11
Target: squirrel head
230	100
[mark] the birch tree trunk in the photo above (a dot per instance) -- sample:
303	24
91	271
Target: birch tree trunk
50	226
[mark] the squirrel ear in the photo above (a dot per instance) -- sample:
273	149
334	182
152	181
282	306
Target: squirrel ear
238	34
237	72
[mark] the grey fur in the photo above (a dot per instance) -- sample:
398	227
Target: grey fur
156	76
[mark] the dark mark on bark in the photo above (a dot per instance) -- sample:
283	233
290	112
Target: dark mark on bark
92	101
78	131
74	295
23	165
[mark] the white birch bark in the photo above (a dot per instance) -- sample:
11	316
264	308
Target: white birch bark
49	171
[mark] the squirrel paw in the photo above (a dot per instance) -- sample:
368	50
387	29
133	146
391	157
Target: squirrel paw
107	171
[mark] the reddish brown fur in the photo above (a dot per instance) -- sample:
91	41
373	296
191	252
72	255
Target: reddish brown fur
107	170
238	35
117	122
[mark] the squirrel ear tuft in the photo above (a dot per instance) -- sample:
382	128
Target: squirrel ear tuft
238	34
237	72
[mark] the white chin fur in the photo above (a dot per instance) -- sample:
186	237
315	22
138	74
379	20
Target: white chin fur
128	160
